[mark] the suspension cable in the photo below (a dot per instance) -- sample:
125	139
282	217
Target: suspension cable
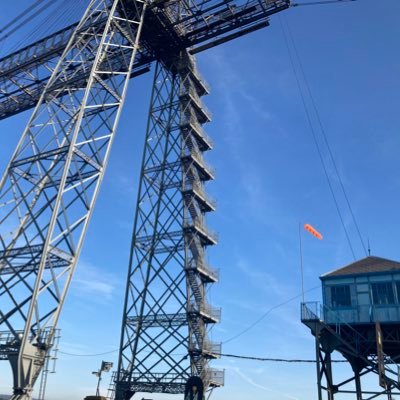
314	136
23	18
324	135
19	16
316	3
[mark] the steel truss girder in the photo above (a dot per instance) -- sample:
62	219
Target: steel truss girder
48	191
165	321
202	24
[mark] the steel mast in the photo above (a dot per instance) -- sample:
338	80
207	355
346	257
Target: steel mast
50	186
166	314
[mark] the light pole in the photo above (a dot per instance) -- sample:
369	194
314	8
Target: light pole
105	367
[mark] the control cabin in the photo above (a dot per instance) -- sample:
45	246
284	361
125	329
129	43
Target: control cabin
363	292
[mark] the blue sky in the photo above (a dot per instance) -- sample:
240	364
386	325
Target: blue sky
269	178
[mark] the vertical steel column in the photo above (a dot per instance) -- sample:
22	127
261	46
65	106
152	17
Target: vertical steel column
50	186
164	329
329	377
357	381
318	364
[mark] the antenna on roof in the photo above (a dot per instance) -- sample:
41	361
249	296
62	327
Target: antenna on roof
369	249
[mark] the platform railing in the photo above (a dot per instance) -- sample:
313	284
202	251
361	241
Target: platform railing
214	377
199	189
197	155
209	347
194	96
194	124
207	310
200	265
360	314
316	311
199	223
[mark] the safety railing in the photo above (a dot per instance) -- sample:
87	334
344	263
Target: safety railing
360	314
214	377
198	157
201	266
198	188
199	224
212	347
195	98
206	310
192	122
315	311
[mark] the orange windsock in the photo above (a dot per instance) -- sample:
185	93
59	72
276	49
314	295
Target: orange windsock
313	231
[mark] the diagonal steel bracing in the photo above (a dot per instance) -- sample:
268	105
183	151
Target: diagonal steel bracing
166	314
51	183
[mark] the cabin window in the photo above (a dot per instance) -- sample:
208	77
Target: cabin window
340	296
382	293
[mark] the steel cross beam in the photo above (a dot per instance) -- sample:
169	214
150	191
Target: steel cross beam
50	186
203	24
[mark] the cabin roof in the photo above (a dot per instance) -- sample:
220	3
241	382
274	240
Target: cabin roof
367	265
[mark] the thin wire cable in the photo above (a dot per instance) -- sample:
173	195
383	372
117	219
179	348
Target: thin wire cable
316	3
252	358
324	135
23	22
87	355
280	360
258	320
314	136
22	14
58	14
226	341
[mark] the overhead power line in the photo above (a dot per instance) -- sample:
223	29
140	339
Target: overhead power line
251	358
258	320
237	335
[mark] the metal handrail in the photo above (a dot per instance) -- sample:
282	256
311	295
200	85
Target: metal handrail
199	189
196	155
207	309
199	223
196	126
196	98
319	312
212	347
201	265
214	376
208	346
214	312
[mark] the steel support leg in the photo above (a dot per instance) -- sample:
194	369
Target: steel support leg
48	191
166	315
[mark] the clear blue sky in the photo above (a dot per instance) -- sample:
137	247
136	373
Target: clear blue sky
269	178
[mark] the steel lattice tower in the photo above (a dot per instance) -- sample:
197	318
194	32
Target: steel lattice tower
166	314
76	79
51	183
